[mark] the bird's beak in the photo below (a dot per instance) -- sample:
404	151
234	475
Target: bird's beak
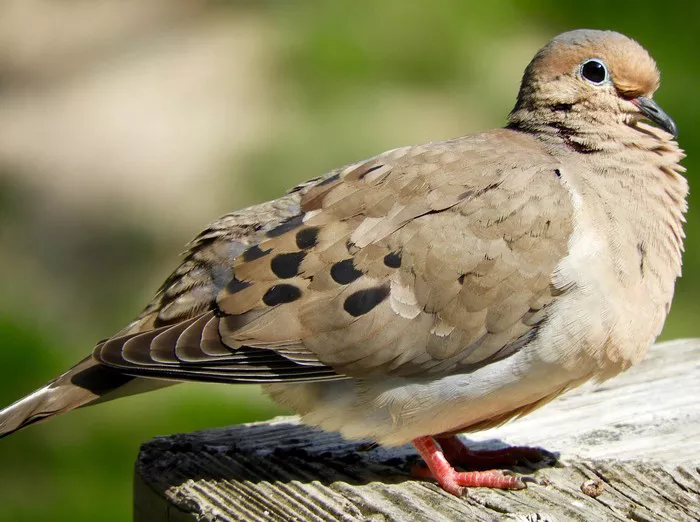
654	113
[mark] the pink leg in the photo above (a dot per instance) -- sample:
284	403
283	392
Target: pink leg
454	481
457	453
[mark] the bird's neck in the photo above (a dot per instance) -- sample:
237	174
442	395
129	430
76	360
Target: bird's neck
629	156
576	126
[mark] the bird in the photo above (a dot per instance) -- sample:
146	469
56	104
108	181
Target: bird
433	289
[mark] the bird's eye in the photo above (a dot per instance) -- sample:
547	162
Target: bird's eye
594	71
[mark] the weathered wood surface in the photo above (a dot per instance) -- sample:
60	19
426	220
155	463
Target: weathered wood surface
638	435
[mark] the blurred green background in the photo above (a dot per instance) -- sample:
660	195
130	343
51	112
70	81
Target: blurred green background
126	126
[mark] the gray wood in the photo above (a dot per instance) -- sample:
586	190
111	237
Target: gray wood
637	437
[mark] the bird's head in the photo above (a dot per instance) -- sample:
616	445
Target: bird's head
599	76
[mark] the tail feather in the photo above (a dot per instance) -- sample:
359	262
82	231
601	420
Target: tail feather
85	383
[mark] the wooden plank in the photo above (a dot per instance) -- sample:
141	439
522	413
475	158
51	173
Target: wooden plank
637	437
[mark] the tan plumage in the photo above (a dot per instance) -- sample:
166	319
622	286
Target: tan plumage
440	287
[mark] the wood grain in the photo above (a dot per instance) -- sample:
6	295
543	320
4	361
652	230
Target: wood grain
636	437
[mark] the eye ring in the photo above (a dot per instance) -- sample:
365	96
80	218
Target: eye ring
594	71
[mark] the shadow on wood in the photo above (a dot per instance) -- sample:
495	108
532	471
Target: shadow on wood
282	470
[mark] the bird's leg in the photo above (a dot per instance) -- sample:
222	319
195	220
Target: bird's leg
458	454
454	481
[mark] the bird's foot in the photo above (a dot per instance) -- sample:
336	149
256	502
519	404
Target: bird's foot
454	481
458	454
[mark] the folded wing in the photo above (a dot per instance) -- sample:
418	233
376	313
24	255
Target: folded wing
422	261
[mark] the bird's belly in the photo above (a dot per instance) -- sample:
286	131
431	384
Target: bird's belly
394	411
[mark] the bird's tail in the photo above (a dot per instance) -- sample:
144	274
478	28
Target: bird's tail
87	382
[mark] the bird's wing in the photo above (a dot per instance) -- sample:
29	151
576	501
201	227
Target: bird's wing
208	261
422	261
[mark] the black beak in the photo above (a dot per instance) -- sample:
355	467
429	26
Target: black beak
654	113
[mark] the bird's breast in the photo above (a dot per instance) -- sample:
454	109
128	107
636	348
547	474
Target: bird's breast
617	280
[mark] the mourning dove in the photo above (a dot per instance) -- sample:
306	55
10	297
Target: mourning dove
437	288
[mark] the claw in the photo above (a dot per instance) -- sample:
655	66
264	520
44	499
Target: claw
457	453
527	479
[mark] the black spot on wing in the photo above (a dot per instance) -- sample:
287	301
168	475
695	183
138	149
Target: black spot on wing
344	272
307	238
235	285
254	252
370	170
364	301
287	265
303	185
392	260
329	180
286	226
280	294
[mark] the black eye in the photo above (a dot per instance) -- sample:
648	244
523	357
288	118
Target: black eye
594	71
